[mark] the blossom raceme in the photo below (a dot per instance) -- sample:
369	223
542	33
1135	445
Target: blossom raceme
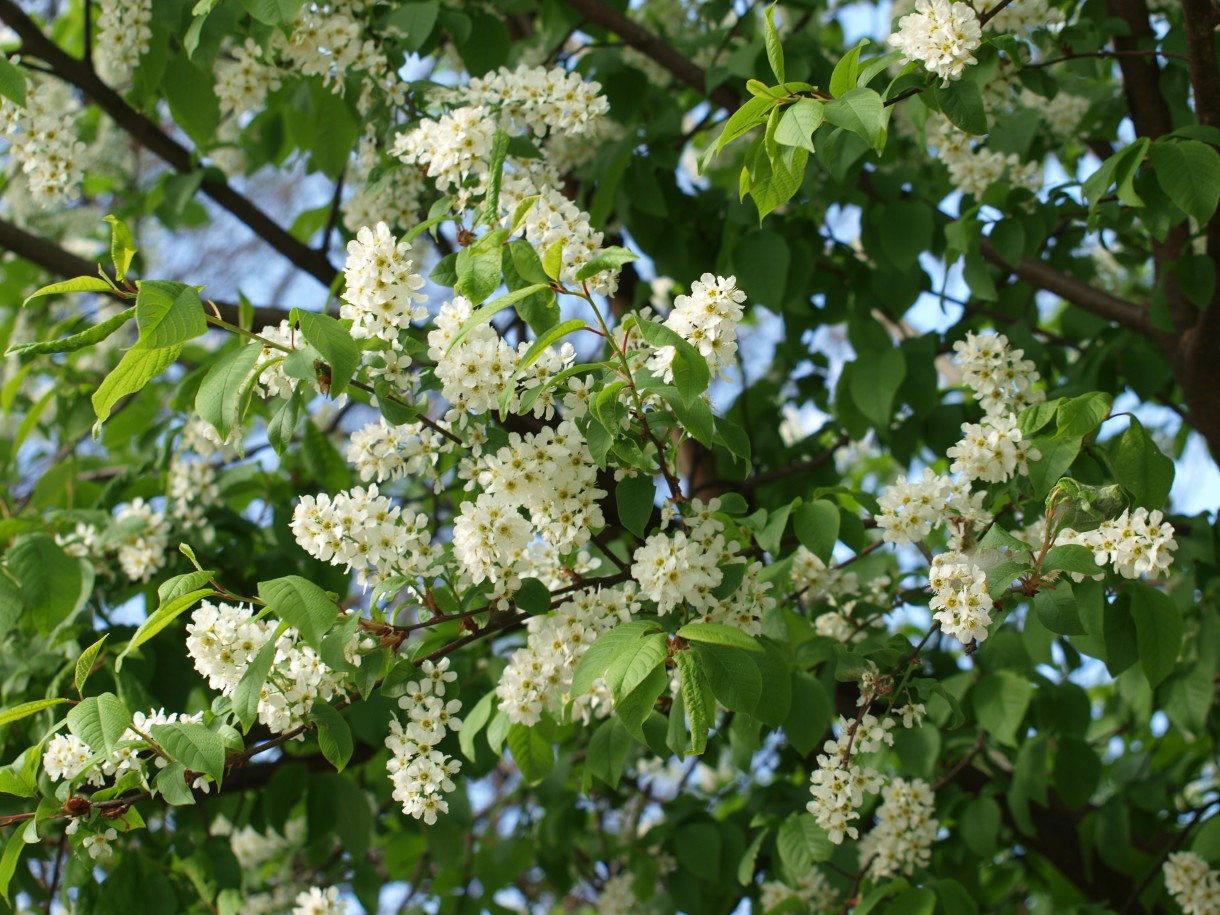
941	35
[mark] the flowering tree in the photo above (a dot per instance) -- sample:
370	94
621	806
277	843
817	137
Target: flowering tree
681	459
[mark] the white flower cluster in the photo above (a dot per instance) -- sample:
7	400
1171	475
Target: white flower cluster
812	889
554	218
707	319
452	149
1062	114
123	34
838	784
1193	885
271	379
910	510
993	451
137	536
973	169
539	100
98	844
941	35
327	42
68	756
476	371
315	901
363	530
253	848
902	840
242	82
675	570
223	640
960	600
1000	377
1021	17
395	197
40	138
549	474
381	451
381	295
192	490
421	773
1135	543
617	897
538	677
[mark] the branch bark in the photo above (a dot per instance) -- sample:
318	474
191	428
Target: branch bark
79	74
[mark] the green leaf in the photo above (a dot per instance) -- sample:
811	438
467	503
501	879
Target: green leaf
611	258
12	852
696	699
720	634
416	20
302	604
282	425
122	247
1000	701
1119	169
602	652
334	342
799	122
802	843
191	94
499	151
775	50
539	346
272	12
249	688
478	273
874	382
750	115
860	111
164	615
194	745
533	597
491	309
552	260
168	314
1158	631
52	582
634	662
634	496
12	87
334	734
79	284
171	784
1078	416
100	721
136	369
746	867
219	399
1189	172
84	664
691	374
843	77
1141	467
638	703
1058	453
817	527
962	103
608	749
1070	557
26	709
533	753
95	334
915	900
733	675
1057	609
473	722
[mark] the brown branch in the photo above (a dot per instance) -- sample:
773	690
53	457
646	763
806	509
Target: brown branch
78	73
652	46
56	260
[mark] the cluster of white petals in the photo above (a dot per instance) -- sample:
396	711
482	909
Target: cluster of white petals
678	569
192	490
382	451
538	100
940	35
123	34
422	774
479	368
813	891
327	42
381	296
960	600
1000	377
363	530
395	197
617	896
223	639
41	139
993	451
838	784
1193	885
1135	543
67	755
902	840
707	319
137	537
243	81
1020	17
315	901
538	677
912	509
453	148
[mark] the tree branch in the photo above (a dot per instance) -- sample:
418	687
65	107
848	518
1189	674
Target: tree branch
56	260
142	130
644	41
